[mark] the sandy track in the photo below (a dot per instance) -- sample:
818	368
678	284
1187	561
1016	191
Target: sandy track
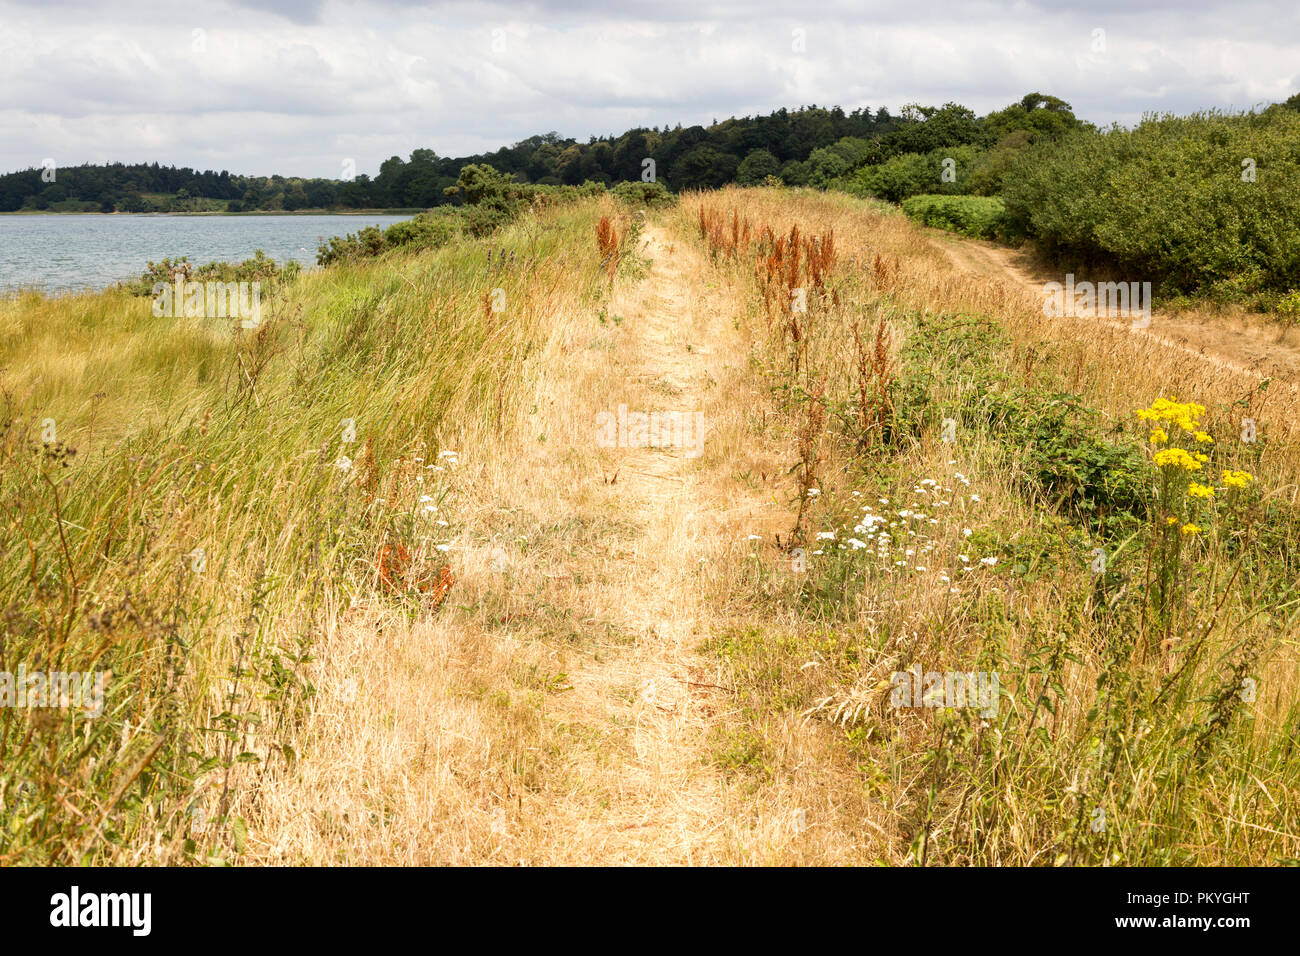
1230	342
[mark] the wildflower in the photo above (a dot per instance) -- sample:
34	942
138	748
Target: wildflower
1171	520
966	532
1203	437
856	544
1177	458
1191	529
1159	436
1237	479
825	535
990	561
1200	491
974	497
1185	415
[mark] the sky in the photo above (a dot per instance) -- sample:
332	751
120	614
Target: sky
307	87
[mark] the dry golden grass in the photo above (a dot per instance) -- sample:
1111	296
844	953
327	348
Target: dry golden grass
627	669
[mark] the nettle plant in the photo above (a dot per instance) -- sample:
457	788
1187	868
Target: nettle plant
1186	497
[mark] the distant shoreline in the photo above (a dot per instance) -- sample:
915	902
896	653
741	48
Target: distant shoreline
257	212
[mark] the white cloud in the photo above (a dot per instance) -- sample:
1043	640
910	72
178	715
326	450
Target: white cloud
297	88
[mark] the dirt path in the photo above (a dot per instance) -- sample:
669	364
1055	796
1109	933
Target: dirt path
558	710
659	801
1231	342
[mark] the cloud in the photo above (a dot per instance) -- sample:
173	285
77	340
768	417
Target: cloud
261	87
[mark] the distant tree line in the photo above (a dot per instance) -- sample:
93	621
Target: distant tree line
808	146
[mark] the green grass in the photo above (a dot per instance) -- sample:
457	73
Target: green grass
172	435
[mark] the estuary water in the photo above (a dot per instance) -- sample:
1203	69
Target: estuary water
69	252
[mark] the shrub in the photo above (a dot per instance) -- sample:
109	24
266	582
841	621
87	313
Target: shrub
647	195
983	216
1171	200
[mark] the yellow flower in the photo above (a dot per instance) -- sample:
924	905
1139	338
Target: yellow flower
1202	437
1237	479
1185	415
1159	436
1171	520
1190	529
1177	458
1200	491
1200	457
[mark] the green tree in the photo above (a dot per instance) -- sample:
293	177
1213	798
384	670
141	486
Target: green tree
756	167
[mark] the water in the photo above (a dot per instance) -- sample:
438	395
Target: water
67	252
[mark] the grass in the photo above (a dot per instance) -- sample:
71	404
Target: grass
1126	734
172	439
643	657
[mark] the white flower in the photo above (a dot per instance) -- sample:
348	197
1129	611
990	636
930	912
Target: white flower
856	544
814	492
974	497
343	464
966	532
754	537
825	535
904	513
989	561
920	567
443	547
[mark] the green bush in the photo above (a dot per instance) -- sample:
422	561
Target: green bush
260	268
983	216
643	195
915	174
1172	201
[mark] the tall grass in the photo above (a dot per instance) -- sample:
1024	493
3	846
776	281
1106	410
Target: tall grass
1137	725
183	508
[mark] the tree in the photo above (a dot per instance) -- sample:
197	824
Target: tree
756	167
